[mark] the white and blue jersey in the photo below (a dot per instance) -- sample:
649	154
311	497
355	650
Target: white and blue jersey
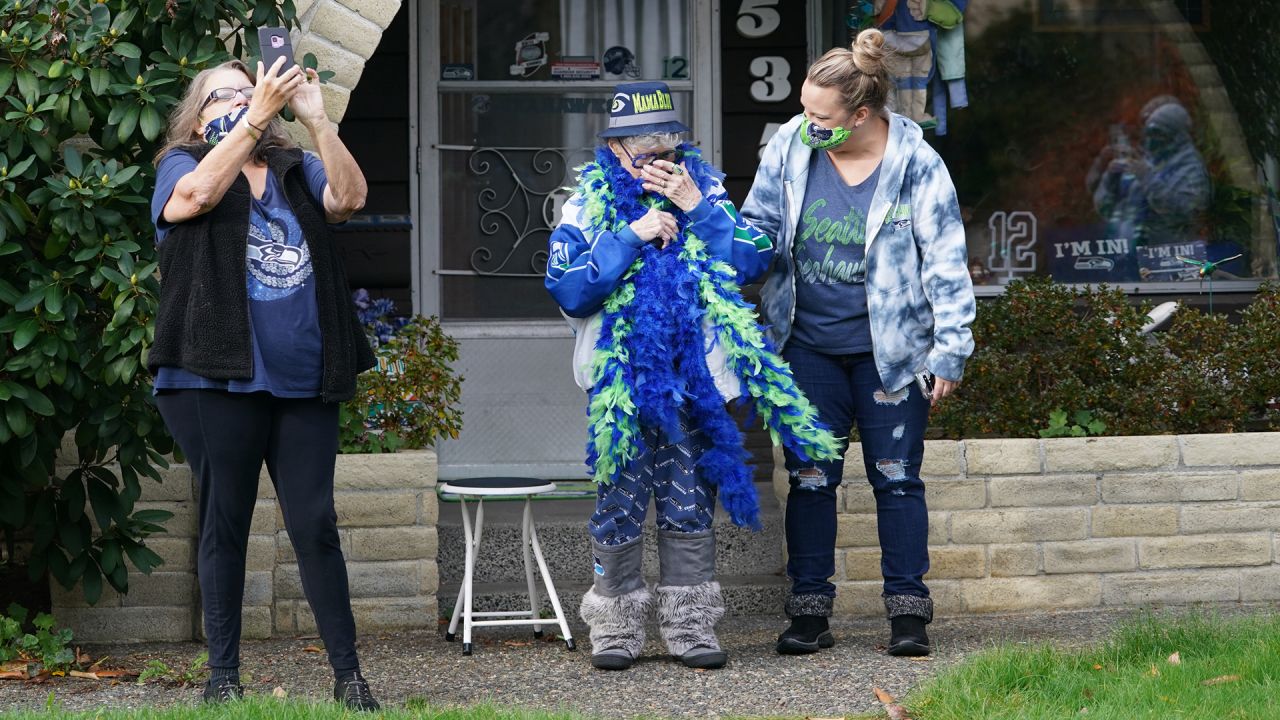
584	267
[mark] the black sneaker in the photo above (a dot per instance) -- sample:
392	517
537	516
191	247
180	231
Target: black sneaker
907	637
353	691
223	690
806	635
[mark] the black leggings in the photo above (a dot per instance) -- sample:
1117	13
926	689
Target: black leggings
226	436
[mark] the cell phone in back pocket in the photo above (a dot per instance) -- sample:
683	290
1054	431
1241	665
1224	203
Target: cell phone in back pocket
273	43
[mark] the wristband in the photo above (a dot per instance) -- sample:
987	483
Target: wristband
249	128
255	127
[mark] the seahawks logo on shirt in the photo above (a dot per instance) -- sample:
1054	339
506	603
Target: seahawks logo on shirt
277	258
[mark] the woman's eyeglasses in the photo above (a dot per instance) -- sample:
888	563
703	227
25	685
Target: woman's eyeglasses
226	93
639	161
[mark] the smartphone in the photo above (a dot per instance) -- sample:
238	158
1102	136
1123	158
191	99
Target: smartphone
924	380
273	43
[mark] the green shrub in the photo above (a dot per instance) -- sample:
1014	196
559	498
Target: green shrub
1038	352
411	398
85	87
1078	424
1258	336
1204	387
194	674
1043	348
10	632
47	648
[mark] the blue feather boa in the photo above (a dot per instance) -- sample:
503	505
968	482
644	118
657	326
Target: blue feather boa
652	346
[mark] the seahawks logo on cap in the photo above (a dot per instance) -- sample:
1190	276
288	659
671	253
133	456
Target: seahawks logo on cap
620	101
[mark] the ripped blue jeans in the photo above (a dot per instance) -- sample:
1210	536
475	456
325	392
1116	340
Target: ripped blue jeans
846	389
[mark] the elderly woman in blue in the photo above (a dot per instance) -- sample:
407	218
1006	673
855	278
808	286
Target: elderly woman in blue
636	207
646	263
871	301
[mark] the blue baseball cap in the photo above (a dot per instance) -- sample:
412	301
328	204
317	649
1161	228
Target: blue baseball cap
642	108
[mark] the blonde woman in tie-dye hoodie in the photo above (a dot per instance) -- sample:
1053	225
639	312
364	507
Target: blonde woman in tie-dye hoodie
870	300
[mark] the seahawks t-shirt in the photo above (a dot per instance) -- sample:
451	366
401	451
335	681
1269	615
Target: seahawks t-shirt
287	349
830	255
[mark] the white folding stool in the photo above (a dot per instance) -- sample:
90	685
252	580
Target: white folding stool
480	488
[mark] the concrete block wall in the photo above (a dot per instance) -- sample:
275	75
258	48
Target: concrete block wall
387	511
1024	524
161	606
343	35
1014	525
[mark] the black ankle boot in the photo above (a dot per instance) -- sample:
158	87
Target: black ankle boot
353	691
806	634
908	638
223	689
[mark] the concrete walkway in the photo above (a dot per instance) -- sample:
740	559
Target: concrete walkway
510	669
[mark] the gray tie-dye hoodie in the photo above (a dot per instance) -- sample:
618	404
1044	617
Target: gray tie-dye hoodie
919	295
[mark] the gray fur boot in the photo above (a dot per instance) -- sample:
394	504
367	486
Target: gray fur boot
617	606
689	601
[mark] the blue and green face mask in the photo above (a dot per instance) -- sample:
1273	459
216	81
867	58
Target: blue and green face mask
820	138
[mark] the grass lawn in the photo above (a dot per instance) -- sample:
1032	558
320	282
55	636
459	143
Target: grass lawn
1224	668
266	708
1197	667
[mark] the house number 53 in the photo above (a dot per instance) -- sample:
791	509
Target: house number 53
758	19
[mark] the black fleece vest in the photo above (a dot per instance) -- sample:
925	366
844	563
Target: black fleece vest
202	324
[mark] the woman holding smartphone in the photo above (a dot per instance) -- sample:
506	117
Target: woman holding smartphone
871	301
257	341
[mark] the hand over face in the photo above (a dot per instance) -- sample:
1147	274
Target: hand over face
672	181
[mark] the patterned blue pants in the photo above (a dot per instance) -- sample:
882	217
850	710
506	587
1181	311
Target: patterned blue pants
684	501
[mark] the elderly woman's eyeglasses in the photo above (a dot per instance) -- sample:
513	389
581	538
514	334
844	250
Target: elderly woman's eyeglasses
638	161
226	93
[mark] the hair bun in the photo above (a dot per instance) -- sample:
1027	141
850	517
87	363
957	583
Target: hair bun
859	72
868	51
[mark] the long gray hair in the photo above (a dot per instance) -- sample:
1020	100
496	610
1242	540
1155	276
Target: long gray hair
186	116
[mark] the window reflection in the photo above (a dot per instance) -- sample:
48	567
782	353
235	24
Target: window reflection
1119	142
